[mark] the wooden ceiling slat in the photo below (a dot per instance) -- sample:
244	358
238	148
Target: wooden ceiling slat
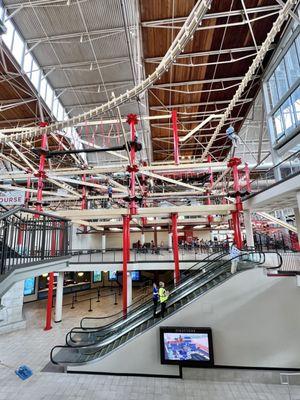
157	41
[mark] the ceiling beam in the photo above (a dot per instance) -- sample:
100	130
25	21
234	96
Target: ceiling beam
89	63
82	35
94	85
149	211
208	103
224	14
198	82
205	54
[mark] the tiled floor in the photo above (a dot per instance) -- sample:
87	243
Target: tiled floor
32	346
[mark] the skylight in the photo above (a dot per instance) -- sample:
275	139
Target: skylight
19	49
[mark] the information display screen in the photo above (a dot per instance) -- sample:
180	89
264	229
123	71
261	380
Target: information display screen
112	275
186	346
29	286
97	276
135	275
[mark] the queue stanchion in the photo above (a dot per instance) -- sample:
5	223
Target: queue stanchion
90	309
116	299
72	306
98	295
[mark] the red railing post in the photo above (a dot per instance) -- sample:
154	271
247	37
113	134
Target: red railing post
175	248
236	222
175	136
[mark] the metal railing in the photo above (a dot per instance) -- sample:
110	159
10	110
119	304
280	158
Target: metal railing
285	380
280	172
28	236
160	254
279	242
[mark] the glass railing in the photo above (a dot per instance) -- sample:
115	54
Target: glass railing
284	170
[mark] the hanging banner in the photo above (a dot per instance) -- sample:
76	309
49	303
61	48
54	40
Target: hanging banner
13	198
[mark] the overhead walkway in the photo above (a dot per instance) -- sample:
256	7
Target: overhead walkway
98	337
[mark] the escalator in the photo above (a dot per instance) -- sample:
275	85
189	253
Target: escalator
96	337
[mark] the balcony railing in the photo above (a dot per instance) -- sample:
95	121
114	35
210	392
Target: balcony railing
27	236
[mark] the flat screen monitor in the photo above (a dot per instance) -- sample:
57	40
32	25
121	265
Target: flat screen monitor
135	275
97	276
112	275
29	286
190	347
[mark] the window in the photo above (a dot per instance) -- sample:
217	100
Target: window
35	78
297	42
43	86
281	79
18	47
60	112
54	107
35	74
1	12
292	65
283	100
49	96
288	116
9	35
27	64
278	124
273	93
296	104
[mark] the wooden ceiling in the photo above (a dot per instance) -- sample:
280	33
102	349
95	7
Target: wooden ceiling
211	97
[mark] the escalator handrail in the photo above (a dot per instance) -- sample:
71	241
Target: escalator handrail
220	267
149	302
130	307
142	305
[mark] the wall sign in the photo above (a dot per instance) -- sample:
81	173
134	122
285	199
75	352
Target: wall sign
13	198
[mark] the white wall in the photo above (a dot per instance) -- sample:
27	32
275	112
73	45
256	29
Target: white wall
255	322
11	317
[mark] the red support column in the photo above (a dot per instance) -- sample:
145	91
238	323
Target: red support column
133	168
128	239
236	222
144	193
41	173
51	283
83	200
27	195
125	257
175	137
211	181
175	248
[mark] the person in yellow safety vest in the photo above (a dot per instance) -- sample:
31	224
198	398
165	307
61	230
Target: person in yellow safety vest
163	295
